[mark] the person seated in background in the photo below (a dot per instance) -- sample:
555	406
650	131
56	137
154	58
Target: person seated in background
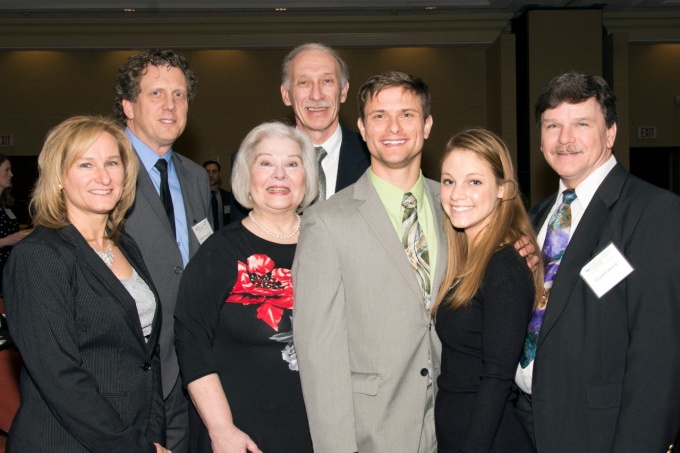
81	306
233	321
220	199
485	299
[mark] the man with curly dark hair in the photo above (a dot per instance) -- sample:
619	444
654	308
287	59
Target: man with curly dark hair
153	92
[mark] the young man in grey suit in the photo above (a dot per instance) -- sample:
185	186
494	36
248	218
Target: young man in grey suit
600	373
315	82
172	205
367	351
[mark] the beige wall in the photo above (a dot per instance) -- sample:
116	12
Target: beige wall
654	75
236	91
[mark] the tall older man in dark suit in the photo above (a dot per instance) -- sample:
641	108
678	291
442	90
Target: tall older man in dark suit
171	215
315	82
600	368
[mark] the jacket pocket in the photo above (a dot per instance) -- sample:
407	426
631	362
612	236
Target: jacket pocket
366	383
604	395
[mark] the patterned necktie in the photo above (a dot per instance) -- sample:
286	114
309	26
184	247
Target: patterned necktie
320	156
415	243
166	198
556	241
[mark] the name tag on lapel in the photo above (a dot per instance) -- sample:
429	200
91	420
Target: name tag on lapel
202	230
606	270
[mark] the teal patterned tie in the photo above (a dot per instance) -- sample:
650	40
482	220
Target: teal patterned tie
556	241
414	242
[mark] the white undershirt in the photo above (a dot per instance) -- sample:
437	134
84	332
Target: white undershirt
584	193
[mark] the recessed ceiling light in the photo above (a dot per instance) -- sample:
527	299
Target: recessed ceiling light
280	9
129	10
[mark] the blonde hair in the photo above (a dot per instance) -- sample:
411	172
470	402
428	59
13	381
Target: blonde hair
509	222
64	144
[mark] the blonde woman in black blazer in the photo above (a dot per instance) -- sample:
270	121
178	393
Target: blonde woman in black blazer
81	305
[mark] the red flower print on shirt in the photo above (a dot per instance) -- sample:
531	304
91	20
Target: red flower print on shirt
258	282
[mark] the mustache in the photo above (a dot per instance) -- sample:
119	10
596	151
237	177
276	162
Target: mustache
565	149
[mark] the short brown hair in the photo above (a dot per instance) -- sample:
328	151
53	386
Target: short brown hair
374	85
64	144
575	88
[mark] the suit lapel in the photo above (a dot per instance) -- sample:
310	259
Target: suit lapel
189	194
352	162
89	259
377	219
581	247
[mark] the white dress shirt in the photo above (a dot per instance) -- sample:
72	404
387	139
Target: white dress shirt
584	193
332	160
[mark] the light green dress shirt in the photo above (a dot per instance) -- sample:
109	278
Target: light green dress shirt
392	196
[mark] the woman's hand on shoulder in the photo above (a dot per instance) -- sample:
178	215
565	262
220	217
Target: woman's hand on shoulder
161	449
234	441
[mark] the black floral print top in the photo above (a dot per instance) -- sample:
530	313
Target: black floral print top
234	318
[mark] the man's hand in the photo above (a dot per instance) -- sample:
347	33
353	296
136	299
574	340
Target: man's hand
527	250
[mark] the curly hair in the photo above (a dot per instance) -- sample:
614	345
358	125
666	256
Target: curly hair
130	76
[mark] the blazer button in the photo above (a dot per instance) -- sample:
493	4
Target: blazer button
423	372
146	366
178	270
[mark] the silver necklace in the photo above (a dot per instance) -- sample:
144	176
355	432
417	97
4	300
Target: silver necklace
274	235
106	256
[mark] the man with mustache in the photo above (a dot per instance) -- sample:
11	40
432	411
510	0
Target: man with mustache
600	367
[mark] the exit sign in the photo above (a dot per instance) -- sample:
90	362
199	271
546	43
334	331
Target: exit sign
647	132
6	140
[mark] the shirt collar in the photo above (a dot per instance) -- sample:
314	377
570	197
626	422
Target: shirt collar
392	195
586	190
332	145
146	154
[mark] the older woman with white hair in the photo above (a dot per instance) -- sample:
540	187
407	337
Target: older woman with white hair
233	321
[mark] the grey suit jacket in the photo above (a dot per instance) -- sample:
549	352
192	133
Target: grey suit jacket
362	335
148	224
606	372
90	381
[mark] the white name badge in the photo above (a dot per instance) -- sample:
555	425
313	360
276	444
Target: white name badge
606	270
202	230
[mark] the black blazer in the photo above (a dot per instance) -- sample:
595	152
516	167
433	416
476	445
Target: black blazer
353	162
90	382
607	370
